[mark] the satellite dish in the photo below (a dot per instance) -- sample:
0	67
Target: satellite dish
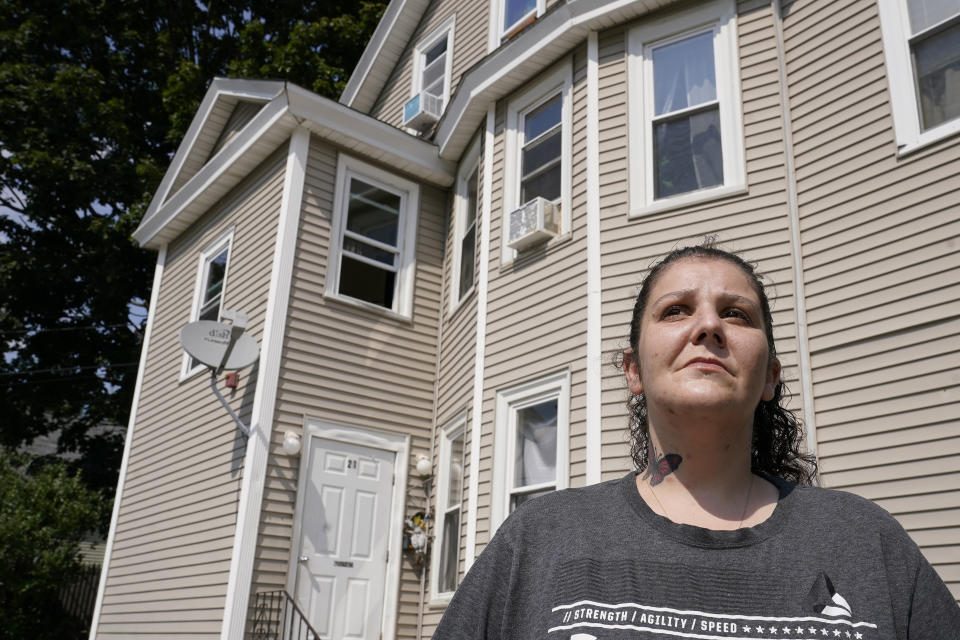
216	345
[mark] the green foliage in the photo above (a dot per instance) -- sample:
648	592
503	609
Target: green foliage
94	98
43	518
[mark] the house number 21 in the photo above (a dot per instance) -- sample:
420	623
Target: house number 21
351	463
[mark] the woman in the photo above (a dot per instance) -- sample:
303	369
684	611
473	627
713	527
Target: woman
719	535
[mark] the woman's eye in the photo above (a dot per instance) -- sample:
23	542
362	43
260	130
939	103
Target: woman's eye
673	310
737	314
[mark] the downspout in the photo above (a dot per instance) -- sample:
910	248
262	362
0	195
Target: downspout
796	248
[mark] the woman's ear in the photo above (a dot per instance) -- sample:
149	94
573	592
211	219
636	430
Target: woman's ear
632	372
773	379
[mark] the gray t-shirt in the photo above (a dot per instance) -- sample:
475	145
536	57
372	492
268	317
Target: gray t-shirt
598	563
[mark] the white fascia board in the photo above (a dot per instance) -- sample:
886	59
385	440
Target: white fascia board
250	145
258	90
515	62
375	139
396	27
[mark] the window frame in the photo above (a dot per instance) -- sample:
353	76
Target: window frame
224	242
720	17
470	167
509	402
454	430
348	168
500	33
444	31
904	98
559	80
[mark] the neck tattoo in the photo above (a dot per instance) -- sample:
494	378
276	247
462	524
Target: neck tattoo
664	466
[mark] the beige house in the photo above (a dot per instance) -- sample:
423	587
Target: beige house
443	263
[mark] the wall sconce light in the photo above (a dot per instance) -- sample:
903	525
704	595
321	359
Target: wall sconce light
291	443
424	466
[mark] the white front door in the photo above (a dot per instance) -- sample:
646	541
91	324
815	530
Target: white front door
343	541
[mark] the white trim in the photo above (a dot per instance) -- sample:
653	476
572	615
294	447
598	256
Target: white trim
720	16
510	66
796	246
399	444
219	89
349	167
509	401
560	79
264	400
470	164
896	34
594	364
128	441
223	241
445	30
457	428
272	127
476	418
497	34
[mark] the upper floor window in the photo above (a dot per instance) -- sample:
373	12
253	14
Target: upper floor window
538	151
685	126
531	443
466	217
433	63
922	45
446	558
209	290
374	230
509	17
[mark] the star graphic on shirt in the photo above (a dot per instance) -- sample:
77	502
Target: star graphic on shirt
813	630
786	629
823	631
746	628
799	629
773	629
836	632
846	633
859	635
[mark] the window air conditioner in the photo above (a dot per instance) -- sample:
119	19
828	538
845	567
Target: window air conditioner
534	222
421	110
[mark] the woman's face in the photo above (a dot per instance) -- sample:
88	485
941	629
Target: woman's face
702	345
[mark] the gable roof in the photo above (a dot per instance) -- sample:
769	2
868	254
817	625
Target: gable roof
397	25
209	163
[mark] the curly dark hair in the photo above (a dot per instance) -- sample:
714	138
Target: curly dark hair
777	433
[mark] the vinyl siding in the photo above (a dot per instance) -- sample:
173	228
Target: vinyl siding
171	553
754	224
881	263
457	348
350	366
536	308
469	46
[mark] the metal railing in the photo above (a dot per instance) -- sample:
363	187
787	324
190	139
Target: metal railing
277	617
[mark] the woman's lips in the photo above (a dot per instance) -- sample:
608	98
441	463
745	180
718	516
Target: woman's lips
706	363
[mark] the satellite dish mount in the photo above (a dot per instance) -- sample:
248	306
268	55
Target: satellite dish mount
221	346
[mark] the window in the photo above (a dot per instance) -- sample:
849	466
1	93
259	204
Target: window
374	226
433	63
514	15
538	148
686	139
922	45
467	214
209	290
531	443
446	558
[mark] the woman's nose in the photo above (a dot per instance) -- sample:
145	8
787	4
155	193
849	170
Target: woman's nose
709	328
